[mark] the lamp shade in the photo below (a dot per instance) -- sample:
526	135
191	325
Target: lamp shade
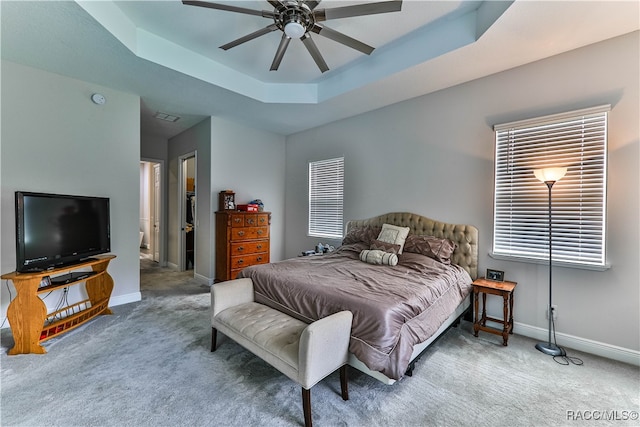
550	174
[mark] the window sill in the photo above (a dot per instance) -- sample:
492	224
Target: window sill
555	263
326	236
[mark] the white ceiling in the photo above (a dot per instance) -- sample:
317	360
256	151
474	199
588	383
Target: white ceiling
167	53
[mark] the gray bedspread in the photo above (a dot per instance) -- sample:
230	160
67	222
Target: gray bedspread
394	307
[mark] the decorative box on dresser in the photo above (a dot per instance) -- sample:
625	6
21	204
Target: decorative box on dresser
242	240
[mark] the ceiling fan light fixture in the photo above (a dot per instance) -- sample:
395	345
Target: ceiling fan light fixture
297	20
294	30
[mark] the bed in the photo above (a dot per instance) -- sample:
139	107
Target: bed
398	310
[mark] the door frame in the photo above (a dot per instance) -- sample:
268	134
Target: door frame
156	209
163	211
182	210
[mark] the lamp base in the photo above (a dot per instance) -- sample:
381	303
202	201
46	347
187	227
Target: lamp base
550	349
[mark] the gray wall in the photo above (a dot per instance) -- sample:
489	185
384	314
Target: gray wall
252	163
433	155
54	139
153	147
229	156
196	139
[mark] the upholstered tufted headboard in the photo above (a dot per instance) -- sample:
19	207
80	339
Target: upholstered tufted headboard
466	236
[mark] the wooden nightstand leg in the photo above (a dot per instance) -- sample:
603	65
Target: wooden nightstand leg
484	309
505	318
475	313
511	313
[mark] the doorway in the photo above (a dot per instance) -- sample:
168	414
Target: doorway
188	217
151	206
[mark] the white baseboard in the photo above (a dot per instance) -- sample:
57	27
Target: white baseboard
581	344
199	277
203	279
125	299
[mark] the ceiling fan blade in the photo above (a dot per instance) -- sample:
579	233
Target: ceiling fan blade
275	3
218	6
255	34
342	38
315	53
358	10
282	48
312	4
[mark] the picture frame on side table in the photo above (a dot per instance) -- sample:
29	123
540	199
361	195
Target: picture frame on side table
495	275
226	200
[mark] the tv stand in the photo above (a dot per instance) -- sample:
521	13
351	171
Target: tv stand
28	318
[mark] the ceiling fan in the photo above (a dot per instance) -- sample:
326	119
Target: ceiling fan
297	19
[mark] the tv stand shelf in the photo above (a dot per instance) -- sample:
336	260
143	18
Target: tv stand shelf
28	318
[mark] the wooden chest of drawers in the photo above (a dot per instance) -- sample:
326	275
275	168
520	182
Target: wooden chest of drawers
242	239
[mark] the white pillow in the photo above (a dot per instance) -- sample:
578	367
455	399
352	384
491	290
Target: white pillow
375	256
393	234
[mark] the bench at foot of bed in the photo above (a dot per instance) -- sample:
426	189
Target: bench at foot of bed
306	353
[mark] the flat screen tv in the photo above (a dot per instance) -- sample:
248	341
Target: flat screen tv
55	230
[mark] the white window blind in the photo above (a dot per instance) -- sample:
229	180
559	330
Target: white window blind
326	187
576	140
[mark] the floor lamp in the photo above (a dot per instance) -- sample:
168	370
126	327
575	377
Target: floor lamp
550	176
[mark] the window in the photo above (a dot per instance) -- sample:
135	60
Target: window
326	183
576	140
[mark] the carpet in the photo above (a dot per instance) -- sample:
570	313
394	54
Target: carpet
149	364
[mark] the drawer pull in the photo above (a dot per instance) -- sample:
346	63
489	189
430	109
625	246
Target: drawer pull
240	261
237	219
250	221
241	233
258	246
240	248
259	258
260	231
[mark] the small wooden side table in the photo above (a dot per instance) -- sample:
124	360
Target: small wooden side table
505	289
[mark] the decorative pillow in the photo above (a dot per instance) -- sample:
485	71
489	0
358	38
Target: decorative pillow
364	234
437	248
392	248
393	234
378	257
